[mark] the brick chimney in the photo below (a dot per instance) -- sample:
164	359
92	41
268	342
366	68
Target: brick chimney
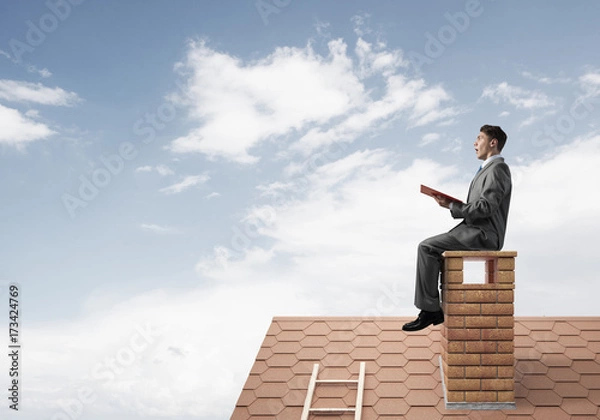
477	343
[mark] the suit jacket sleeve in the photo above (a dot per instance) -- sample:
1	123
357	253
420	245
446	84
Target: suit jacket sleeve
496	185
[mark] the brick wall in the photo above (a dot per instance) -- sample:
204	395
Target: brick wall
477	344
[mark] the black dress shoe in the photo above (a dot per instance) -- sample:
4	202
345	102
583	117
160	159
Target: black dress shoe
424	320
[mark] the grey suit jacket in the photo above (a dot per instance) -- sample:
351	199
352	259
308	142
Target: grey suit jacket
485	213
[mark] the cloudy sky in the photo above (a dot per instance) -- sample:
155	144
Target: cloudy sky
175	174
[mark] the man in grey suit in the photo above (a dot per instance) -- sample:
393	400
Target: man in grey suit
483	226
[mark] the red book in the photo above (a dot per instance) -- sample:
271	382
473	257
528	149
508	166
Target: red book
432	193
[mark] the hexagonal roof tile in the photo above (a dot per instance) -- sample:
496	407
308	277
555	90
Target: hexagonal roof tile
557	370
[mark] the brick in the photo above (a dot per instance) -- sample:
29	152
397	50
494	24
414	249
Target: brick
464	309
464	384
497	384
505	277
464	359
506	296
497	359
497	309
481	296
506	371
506	396
455	396
481	372
455	321
455	372
453	264
505	264
453	296
481	396
455	277
481	321
456	347
506	347
504	334
481	347
506	322
463	334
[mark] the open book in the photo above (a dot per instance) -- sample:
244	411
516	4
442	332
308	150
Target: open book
431	192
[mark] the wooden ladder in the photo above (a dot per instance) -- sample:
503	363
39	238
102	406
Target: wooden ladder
357	409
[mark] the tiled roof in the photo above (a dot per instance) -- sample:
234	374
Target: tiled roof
557	370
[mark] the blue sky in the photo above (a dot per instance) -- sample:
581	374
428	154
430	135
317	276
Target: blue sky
177	173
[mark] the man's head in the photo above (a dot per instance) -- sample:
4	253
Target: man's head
490	141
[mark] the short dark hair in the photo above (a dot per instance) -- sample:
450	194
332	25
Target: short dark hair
495	132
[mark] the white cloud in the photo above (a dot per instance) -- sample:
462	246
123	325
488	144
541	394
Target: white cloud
242	104
45	73
360	25
590	83
545	79
162	170
504	114
561	178
187	182
420	104
298	92
516	96
377	59
212	195
18	130
19	91
150	227
591	78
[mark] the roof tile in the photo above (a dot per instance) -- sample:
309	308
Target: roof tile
341	336
563	374
421	413
556	360
571	389
544	397
572	341
282	360
575	406
286	347
565	328
554	413
537	382
391	406
421	382
586	366
266	406
579	353
317	328
590	381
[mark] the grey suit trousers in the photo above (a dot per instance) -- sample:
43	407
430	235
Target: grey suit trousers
429	260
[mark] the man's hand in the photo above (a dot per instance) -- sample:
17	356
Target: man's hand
442	201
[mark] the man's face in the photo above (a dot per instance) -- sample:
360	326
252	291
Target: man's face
484	146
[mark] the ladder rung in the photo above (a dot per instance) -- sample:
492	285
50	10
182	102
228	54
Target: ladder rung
336	381
332	410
